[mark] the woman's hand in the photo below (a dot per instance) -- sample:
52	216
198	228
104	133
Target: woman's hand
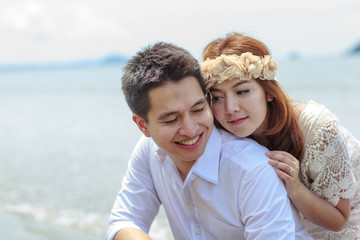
287	167
314	208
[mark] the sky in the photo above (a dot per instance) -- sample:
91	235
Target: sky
68	30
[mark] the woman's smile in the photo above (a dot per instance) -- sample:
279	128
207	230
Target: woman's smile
238	121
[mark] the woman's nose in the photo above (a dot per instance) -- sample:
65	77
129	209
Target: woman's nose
231	106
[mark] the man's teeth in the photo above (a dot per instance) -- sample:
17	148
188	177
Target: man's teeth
190	142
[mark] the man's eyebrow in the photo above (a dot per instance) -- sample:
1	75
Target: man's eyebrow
199	102
165	115
168	114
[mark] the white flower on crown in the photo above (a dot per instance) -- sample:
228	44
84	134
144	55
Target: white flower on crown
243	67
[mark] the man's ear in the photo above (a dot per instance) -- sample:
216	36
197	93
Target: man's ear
140	122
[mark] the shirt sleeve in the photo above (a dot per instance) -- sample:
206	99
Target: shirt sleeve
265	207
328	162
137	202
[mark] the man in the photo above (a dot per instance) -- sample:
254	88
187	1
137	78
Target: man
212	185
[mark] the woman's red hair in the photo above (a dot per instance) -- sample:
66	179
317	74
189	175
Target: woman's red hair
283	131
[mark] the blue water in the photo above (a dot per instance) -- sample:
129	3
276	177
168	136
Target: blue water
332	81
66	136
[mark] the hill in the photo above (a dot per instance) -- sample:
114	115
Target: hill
112	59
356	49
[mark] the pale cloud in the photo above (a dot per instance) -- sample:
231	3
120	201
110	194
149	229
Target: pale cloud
41	30
24	19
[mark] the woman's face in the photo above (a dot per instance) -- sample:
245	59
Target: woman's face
240	107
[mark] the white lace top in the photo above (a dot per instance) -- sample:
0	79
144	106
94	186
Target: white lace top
330	167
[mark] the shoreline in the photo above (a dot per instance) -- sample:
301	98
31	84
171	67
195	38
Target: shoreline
13	226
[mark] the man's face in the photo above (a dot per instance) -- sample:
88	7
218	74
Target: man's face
180	120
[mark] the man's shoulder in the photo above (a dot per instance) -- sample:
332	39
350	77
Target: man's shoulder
146	146
239	145
143	142
244	152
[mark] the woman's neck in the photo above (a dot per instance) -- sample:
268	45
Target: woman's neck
259	136
260	139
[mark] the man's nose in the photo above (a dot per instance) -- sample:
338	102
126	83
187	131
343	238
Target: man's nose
189	127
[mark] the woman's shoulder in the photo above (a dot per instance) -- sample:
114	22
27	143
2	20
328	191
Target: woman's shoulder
298	108
316	120
312	111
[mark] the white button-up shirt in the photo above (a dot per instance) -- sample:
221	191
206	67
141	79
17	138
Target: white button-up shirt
231	192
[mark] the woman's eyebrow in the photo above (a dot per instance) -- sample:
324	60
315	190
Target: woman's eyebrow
234	86
240	83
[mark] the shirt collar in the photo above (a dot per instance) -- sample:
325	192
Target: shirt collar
207	166
160	154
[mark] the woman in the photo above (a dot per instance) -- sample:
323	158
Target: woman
318	160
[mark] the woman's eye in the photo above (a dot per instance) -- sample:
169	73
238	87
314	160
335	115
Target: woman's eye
215	98
242	92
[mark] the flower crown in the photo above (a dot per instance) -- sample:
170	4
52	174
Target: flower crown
244	67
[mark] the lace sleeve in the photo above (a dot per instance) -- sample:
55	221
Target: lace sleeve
329	167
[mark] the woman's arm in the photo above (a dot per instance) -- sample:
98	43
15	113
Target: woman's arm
314	208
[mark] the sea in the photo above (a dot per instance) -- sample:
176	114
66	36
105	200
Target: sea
66	136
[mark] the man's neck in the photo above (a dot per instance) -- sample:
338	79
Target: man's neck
184	168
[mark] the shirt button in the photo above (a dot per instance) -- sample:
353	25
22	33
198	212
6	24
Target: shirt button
197	231
190	205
